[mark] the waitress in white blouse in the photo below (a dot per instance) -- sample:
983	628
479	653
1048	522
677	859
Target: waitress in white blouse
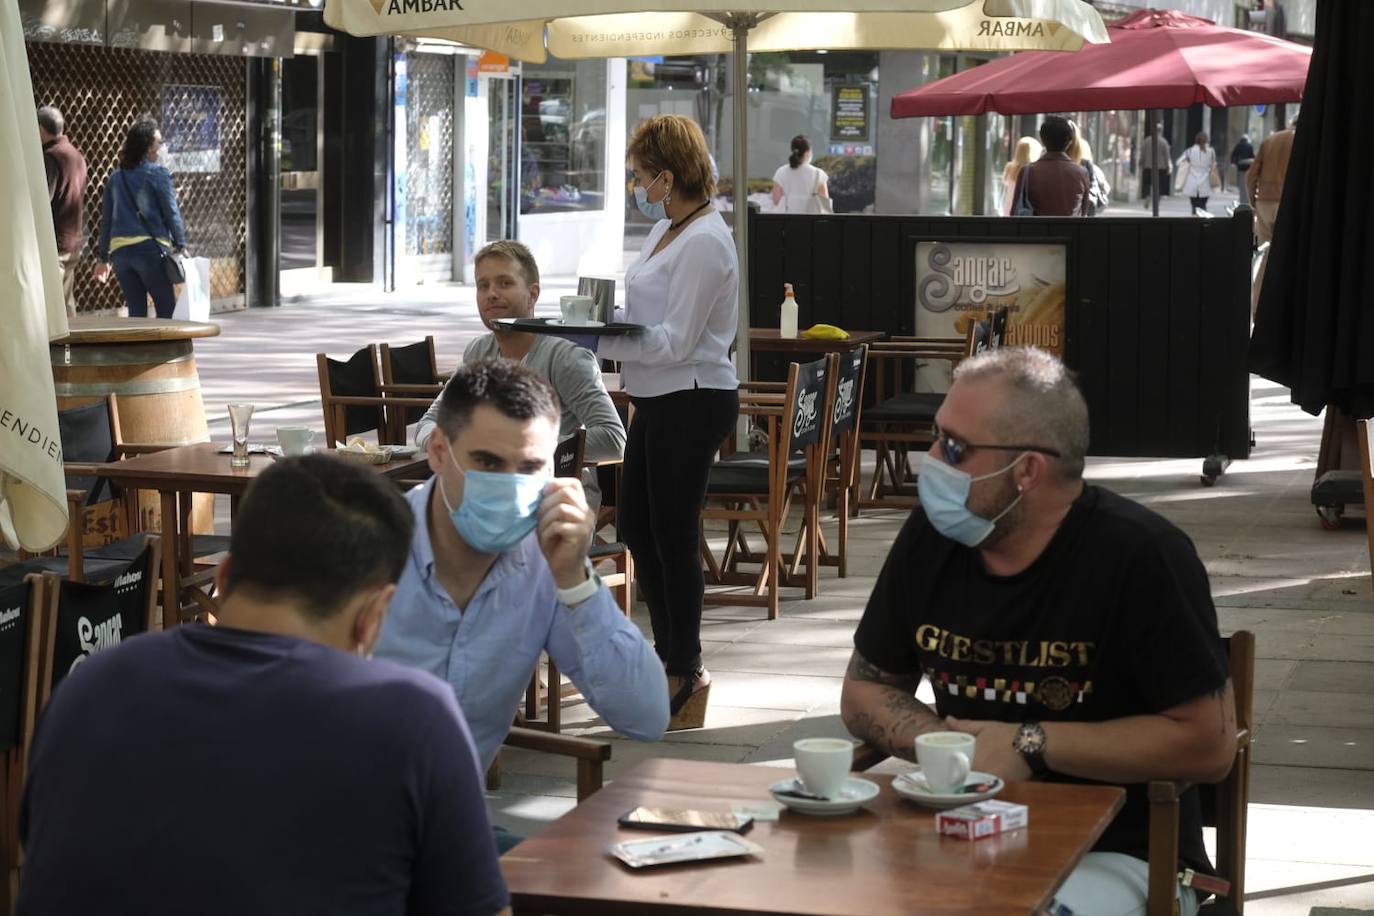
678	372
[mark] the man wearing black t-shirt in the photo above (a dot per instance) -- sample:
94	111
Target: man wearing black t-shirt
261	766
1070	629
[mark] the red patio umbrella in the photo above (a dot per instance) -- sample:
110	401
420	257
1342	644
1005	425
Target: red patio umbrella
1156	59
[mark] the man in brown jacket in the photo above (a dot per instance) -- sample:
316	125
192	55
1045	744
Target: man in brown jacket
66	169
1055	184
1264	185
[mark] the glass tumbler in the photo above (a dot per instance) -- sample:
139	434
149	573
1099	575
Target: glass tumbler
239	414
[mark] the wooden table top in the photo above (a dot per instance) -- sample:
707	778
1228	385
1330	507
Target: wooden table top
885	859
113	329
200	468
770	340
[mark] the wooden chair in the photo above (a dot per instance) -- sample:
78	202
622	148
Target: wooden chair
353	400
1224	804
411	371
24	608
86	619
758	488
841	465
900	419
591	756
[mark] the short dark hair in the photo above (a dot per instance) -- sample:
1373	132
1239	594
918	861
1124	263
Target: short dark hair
317	529
51	120
137	142
504	384
1055	133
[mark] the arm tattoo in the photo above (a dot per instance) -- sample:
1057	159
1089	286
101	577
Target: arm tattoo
893	723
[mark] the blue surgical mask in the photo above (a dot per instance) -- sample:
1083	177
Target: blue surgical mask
498	510
944	497
655	211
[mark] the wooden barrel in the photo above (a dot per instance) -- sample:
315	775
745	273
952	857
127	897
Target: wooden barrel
150	367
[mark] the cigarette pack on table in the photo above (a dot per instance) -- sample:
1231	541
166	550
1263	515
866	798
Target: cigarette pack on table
982	819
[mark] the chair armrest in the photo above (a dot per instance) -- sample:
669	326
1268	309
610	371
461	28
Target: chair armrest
430	388
83	468
591	755
866	757
776	387
143	448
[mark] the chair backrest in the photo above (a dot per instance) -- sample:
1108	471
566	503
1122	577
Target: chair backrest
413	364
806	409
21	620
93	618
90	435
849	390
568	456
358	377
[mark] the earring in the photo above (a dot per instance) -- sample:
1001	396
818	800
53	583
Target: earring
667	197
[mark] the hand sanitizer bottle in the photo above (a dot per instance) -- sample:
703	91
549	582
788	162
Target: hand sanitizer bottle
788	326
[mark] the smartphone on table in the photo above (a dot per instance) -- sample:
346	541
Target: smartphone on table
684	820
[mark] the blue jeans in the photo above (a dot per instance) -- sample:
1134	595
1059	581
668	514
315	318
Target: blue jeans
141	274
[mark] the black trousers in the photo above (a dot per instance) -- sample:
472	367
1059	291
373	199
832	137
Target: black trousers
669	448
1147	178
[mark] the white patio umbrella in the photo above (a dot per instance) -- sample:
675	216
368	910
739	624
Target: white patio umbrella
33	503
530	30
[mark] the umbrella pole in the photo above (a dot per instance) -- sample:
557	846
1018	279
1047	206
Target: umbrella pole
1151	116
741	28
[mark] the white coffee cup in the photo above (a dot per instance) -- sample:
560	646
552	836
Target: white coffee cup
945	759
295	440
576	309
823	764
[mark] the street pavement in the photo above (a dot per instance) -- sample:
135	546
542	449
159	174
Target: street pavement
1304	591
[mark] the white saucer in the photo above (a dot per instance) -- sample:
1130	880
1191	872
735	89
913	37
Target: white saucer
912	786
560	323
854	794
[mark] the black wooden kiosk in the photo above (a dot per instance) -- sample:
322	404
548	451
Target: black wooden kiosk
1157	311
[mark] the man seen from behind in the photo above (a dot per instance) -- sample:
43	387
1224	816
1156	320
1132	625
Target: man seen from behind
266	765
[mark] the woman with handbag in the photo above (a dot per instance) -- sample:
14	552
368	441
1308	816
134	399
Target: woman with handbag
141	233
1201	175
800	187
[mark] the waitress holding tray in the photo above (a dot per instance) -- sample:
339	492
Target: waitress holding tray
679	375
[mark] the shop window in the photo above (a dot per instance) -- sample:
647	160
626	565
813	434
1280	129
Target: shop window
563	137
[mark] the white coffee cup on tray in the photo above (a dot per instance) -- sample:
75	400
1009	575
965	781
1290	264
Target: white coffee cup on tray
946	759
823	764
295	440
576	309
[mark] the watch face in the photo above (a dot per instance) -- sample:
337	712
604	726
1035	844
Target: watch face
1030	739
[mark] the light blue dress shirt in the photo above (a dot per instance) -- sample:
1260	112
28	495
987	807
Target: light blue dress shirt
487	650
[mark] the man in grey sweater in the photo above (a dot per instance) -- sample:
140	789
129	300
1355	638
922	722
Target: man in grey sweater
508	287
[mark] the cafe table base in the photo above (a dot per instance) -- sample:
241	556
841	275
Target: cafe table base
885	859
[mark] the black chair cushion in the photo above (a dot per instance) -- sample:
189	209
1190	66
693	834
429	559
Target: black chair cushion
202	545
744	479
760	460
97	570
911	407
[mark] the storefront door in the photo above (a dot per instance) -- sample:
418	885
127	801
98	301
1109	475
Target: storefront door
302	87
503	163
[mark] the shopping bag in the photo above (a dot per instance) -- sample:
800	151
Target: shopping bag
193	302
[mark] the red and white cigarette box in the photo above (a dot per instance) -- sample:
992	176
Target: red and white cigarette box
982	819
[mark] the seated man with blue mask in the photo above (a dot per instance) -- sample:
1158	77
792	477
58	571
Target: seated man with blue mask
1070	629
498	569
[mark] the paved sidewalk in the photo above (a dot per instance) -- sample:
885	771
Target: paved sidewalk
1306	593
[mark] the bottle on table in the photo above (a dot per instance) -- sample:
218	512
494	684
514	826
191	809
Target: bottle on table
787	327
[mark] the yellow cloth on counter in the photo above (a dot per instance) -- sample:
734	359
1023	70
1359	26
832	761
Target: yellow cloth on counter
825	332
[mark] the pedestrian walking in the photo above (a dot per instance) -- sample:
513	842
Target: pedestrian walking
1198	172
141	233
1028	149
1155	157
1081	151
1054	185
798	186
66	169
1242	157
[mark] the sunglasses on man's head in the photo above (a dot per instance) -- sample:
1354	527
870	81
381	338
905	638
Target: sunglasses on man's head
953	449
